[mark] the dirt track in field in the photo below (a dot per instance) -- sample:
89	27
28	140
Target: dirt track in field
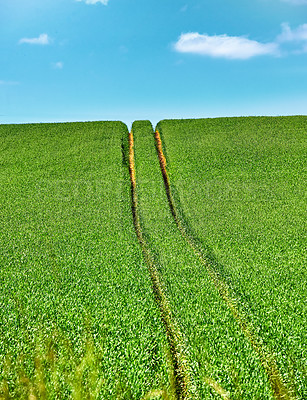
174	337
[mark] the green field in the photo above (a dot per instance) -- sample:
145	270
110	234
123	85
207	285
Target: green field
72	271
187	287
240	188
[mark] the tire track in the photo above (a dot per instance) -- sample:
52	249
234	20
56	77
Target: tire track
279	388
180	367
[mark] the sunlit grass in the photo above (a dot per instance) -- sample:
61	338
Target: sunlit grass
222	360
55	370
69	252
239	186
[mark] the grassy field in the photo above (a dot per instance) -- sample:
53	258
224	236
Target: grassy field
77	310
222	361
239	188
186	280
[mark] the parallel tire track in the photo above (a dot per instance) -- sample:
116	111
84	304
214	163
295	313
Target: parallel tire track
279	388
174	337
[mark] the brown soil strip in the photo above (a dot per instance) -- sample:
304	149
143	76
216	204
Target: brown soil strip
174	337
279	388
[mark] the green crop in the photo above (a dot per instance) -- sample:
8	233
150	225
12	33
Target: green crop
239	186
77	310
222	360
185	280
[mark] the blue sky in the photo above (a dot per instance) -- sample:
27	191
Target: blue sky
78	60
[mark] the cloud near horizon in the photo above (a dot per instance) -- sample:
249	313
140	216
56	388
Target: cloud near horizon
104	2
43	39
223	46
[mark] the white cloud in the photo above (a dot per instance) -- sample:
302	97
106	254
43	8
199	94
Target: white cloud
43	39
104	2
223	46
297	35
58	65
293	40
296	2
